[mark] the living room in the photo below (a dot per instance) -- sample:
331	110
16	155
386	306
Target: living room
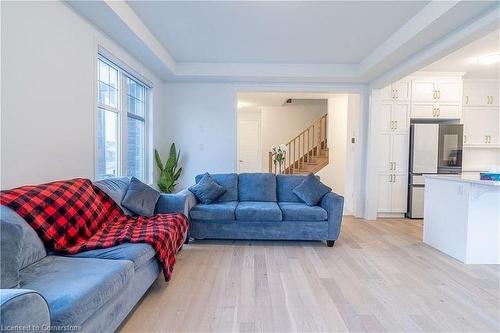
107	226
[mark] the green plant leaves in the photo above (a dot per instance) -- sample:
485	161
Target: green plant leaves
169	174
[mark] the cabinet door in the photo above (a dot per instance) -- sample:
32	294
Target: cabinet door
385	117
402	90
387	93
449	91
422	111
474	120
491	92
423	91
448	111
481	94
401	116
492	125
384	193
384	152
400	152
399	194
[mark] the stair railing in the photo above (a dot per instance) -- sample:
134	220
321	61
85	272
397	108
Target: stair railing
303	148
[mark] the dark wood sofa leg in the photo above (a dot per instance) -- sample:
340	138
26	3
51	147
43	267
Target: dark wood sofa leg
330	243
187	240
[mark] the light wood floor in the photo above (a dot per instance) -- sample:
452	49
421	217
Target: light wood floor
378	277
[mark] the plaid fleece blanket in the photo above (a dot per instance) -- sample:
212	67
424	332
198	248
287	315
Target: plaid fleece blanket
73	216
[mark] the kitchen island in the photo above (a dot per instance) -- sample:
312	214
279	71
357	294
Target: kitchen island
462	217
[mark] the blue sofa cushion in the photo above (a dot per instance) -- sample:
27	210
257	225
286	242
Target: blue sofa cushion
140	198
311	190
10	253
76	288
297	211
32	248
116	188
258	211
227	180
257	187
220	211
285	185
207	190
138	253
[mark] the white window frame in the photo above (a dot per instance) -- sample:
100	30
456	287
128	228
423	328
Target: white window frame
122	111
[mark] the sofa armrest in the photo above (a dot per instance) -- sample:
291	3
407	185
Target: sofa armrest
181	202
334	205
23	310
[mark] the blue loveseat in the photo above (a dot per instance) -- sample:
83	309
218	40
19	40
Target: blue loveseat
263	206
91	291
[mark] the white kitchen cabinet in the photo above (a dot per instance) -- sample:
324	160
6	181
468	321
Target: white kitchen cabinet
384	193
399	153
384	152
436	89
399	192
481	93
398	91
435	111
481	126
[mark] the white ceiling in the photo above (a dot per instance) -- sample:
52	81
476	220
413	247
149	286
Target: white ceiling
273	32
463	59
372	42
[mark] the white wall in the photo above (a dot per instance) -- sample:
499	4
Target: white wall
48	93
280	124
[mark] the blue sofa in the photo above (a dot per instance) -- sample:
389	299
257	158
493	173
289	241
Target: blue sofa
91	291
263	206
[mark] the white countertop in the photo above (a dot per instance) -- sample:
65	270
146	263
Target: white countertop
465	178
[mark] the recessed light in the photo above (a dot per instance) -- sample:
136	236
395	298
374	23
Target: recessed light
487	59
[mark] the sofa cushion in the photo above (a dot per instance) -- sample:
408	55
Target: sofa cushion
207	190
140	198
258	211
76	288
285	185
138	253
311	190
297	211
220	211
11	236
227	180
32	248
116	188
257	187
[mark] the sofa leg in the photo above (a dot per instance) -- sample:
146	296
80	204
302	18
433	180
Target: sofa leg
330	243
187	240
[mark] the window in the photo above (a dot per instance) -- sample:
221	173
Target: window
121	123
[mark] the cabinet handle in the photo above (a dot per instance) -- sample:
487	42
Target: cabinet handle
485	139
395	124
466	99
434	94
433	112
392	124
465	138
438	112
439	94
491	99
397	93
394	165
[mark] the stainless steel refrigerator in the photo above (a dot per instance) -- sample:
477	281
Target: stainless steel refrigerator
434	149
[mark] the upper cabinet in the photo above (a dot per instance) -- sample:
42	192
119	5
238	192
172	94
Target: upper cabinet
481	93
435	97
398	91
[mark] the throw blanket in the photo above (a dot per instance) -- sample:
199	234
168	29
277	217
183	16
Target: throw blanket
73	216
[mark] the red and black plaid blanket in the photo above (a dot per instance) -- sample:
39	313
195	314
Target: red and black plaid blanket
73	216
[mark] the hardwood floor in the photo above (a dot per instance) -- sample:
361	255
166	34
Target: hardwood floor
378	277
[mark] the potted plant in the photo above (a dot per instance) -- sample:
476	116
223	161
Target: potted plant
279	153
169	173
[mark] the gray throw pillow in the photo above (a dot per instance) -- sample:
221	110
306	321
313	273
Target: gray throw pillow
207	190
140	198
10	254
311	190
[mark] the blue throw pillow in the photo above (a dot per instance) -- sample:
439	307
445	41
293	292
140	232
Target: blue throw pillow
207	190
311	190
140	198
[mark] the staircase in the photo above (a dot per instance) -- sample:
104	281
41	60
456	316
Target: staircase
307	152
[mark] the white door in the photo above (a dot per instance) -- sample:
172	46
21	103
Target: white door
448	111
492	125
400	154
402	90
423	111
384	193
423	91
399	193
401	116
449	91
249	146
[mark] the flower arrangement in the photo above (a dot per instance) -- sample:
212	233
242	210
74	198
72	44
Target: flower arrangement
279	153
